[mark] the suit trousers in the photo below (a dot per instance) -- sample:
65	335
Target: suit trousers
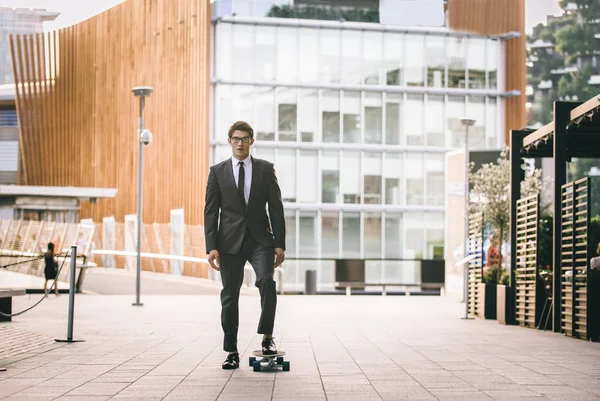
262	259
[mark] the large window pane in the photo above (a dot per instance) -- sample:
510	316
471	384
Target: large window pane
392	169
476	110
350	175
491	123
372	178
331	116
434	224
287	114
455	110
330	231
373	118
308	114
434	121
330	176
413	123
456	62
224	62
290	233
286	174
308	234
235	103
307	180
436	60
413	171
264	53
493	47
392	119
476	63
351	235
287	54
393	241
264	153
264	114
392	54
351	57
414	60
329	70
372	57
351	121
434	169
372	235
308	63
413	235
243	49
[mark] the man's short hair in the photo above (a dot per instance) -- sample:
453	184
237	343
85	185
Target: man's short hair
241	126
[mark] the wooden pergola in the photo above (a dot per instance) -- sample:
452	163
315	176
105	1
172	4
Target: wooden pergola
575	132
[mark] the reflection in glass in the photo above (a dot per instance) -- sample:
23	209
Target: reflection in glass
392	168
392	119
476	109
436	60
476	63
493	47
308	64
491	123
308	234
455	110
434	223
330	176
287	54
414	235
236	103
372	57
264	109
393	231
290	233
350	177
286	114
223	57
456	62
243	49
308	114
373	118
351	235
414	60
434	170
413	122
331	116
351	128
392	55
264	54
372	178
351	57
372	235
330	231
307	180
286	174
414	178
434	121
329	69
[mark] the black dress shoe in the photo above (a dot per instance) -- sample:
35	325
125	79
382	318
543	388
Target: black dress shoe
232	361
268	346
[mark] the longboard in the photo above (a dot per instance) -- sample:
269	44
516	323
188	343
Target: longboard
271	361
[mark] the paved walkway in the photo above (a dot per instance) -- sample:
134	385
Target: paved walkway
341	348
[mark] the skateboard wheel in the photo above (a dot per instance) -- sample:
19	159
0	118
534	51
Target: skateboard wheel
252	359
286	366
256	366
279	360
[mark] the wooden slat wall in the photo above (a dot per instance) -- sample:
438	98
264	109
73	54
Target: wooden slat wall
497	17
475	247
78	117
526	270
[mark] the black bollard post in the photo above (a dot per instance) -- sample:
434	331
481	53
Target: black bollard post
71	298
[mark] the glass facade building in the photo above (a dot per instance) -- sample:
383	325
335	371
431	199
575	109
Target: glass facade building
357	118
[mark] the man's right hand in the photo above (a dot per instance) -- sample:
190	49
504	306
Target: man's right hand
213	260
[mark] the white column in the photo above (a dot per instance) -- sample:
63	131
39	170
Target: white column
177	240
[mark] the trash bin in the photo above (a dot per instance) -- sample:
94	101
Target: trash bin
310	282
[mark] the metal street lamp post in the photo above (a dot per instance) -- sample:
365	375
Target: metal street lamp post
144	138
466	122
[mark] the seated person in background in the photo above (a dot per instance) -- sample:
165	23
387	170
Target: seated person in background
493	253
595	261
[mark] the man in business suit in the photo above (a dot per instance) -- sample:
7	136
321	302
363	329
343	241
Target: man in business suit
238	230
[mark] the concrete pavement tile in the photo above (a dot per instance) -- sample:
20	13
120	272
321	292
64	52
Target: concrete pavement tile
476	395
98	389
348	388
349	379
505	395
82	398
355	397
541	380
406	394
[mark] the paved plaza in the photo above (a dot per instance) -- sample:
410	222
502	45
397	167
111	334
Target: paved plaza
357	348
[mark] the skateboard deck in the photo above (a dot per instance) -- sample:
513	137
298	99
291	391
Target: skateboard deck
272	361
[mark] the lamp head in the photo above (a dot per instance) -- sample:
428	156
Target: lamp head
142	90
466	121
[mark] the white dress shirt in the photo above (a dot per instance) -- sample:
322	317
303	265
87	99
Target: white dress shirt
247	174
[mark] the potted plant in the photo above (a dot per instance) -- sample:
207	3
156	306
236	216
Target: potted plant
492	292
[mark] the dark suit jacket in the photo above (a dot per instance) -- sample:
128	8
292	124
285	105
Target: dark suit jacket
226	217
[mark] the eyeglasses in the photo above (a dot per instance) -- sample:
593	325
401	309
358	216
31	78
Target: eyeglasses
237	139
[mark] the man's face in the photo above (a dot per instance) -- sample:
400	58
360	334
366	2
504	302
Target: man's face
240	143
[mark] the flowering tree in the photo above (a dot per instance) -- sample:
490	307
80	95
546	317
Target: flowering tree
490	186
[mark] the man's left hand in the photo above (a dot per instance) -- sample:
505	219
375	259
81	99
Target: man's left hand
279	256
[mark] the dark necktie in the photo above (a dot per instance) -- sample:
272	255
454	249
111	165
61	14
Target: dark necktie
241	180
